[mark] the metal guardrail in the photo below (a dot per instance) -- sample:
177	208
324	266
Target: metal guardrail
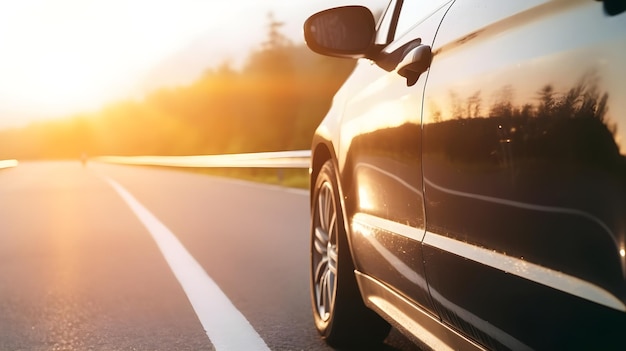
280	159
8	163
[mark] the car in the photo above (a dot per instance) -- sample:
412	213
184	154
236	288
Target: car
468	183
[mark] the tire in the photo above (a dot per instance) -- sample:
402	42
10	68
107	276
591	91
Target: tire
338	309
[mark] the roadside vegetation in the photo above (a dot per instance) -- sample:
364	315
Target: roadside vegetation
292	178
272	103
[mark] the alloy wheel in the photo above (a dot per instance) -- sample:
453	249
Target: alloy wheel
324	251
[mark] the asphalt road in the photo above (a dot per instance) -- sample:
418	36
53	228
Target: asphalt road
109	257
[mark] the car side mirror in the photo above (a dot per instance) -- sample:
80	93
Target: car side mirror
346	31
614	7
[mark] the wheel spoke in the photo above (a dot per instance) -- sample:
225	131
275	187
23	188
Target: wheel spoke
320	270
332	259
327	205
321	241
320	212
321	236
323	208
329	284
332	228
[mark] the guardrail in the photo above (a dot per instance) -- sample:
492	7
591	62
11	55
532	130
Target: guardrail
279	159
8	163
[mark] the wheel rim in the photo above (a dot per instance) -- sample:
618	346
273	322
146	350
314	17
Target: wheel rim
325	251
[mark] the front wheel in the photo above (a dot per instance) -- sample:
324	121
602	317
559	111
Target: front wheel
338	309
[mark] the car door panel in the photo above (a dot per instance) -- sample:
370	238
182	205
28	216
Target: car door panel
381	140
524	144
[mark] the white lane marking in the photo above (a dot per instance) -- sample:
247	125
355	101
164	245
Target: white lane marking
226	327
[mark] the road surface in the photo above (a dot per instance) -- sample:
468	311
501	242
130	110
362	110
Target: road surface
109	257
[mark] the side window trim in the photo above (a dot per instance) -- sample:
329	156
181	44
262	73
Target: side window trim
386	30
390	54
408	25
407	37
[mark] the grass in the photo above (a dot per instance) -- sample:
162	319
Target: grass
292	178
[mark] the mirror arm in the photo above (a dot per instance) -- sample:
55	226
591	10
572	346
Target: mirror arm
374	52
416	61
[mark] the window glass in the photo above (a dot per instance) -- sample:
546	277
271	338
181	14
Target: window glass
385	24
414	11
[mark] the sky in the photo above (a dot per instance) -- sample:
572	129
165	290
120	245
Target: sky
63	57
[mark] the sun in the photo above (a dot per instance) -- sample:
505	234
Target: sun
62	55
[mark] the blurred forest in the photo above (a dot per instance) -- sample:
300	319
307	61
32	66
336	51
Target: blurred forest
273	103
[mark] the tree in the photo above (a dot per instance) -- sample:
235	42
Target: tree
268	105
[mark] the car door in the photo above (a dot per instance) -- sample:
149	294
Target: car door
380	143
524	144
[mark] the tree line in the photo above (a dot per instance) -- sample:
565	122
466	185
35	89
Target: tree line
273	103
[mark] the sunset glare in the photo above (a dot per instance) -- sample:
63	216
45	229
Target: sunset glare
65	56
57	54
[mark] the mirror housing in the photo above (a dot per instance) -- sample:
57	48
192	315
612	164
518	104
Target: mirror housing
346	31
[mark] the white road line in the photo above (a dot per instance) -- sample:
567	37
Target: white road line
225	326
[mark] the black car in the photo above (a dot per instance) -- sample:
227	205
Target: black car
468	184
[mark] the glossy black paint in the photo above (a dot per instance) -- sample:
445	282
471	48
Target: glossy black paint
526	161
492	194
382	171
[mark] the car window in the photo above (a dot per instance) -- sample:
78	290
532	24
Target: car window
413	11
384	33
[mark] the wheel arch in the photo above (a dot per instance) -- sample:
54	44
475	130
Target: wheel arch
323	151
